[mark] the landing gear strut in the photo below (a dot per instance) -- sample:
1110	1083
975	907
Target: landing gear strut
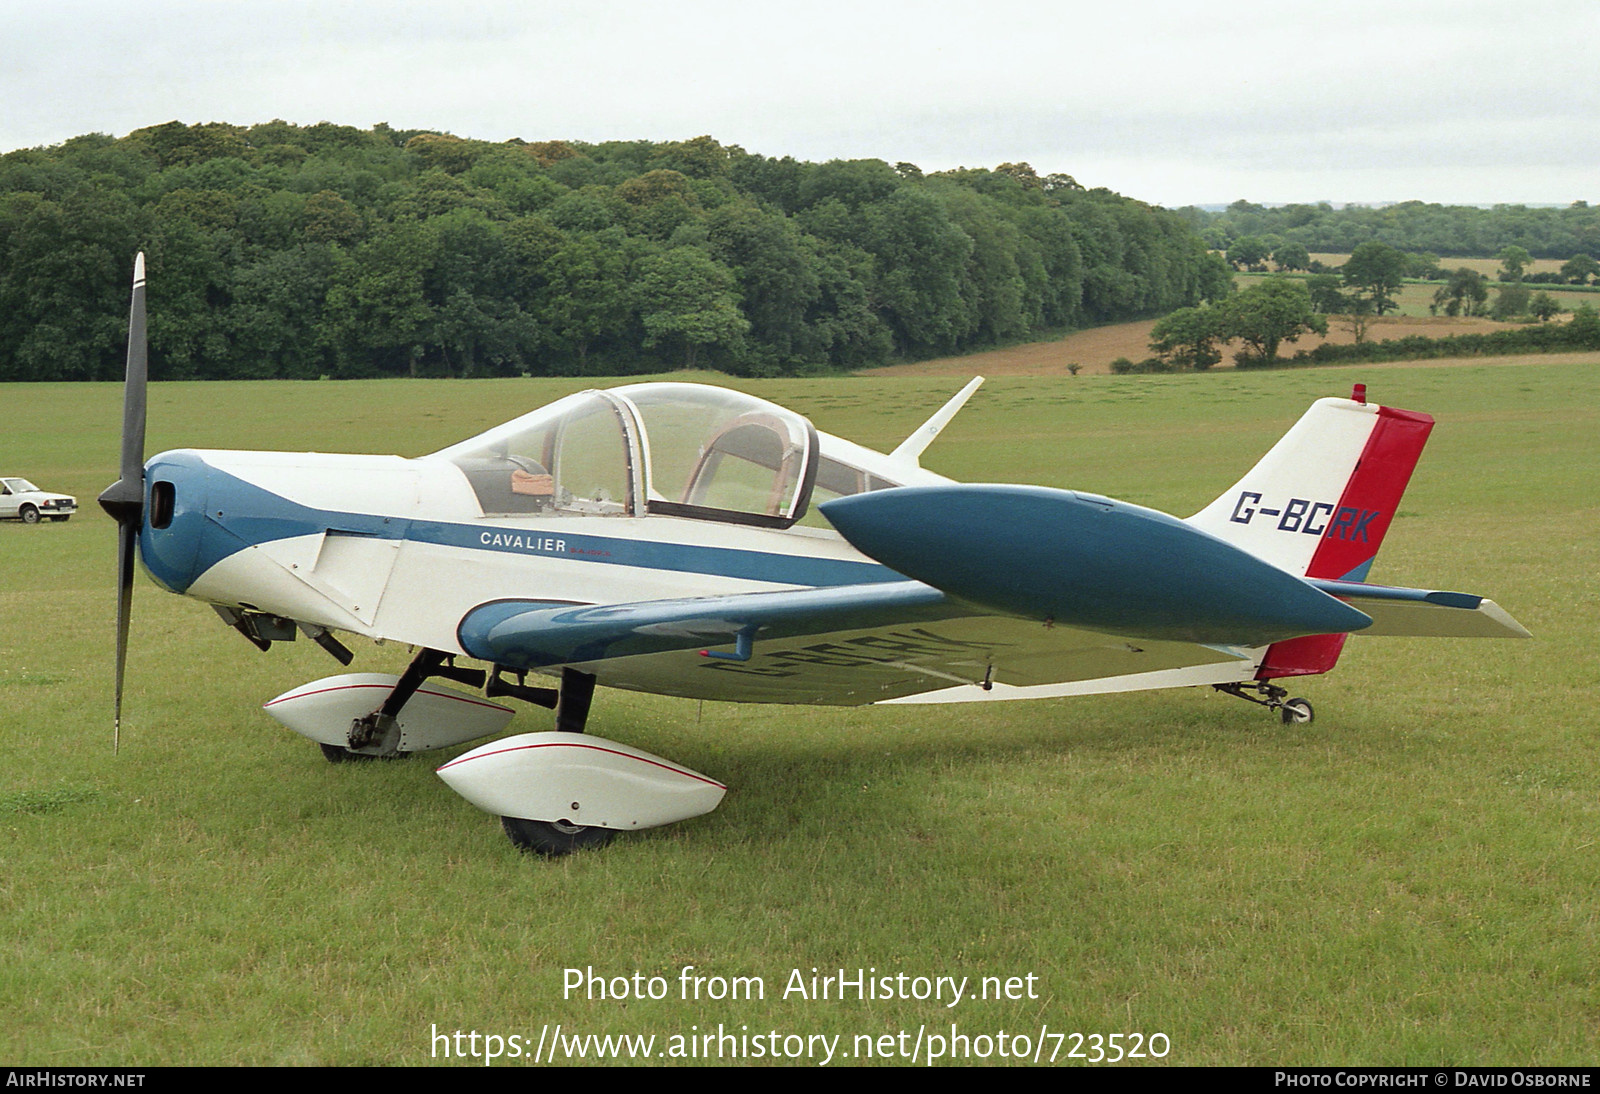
378	730
603	783
572	708
1294	712
378	734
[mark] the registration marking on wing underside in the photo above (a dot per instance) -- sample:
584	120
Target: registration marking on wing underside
853	667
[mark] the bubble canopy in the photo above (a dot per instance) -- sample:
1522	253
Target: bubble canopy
673	449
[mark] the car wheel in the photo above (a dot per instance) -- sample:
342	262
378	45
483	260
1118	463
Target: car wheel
29	514
59	520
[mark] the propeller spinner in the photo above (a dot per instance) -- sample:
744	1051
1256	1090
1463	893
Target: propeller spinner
124	499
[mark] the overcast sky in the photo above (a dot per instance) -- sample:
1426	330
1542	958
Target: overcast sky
1465	101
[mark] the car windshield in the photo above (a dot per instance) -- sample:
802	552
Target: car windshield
22	486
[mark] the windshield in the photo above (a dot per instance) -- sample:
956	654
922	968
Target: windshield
687	450
574	456
22	486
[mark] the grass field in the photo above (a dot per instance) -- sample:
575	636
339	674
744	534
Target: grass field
1488	267
1095	348
1410	879
1415	297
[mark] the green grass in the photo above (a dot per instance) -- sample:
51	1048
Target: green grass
1410	879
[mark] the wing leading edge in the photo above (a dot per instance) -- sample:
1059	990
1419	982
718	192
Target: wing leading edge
535	634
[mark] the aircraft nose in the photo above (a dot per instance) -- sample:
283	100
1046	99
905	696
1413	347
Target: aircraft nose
175	522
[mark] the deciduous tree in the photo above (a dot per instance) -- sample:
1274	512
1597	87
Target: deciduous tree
1249	253
1513	261
1291	256
1511	301
1579	268
1464	294
1544	307
1263	317
1378	270
1188	337
687	297
1326	296
1357	318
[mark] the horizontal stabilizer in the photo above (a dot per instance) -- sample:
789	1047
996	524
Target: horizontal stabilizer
1425	613
535	634
1082	560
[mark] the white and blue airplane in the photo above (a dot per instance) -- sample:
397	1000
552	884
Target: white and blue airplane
688	540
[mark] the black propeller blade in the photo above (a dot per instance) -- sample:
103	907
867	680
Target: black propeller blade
124	499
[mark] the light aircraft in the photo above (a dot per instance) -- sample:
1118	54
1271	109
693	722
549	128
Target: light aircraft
692	541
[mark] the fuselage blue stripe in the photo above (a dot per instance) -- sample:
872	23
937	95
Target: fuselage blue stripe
220	514
652	554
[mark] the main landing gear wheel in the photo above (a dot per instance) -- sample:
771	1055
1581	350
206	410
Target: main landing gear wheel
553	839
338	754
1296	712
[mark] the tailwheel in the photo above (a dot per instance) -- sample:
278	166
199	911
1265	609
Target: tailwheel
553	839
1294	712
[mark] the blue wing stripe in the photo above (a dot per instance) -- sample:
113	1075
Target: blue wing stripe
536	634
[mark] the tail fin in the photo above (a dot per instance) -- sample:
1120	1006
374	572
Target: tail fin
1318	505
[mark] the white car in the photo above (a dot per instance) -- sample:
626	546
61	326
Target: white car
21	500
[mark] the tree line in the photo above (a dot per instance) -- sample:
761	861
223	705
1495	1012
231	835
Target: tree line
282	251
1412	226
1281	308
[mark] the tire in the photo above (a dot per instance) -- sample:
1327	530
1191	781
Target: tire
28	515
552	839
59	520
338	754
1296	712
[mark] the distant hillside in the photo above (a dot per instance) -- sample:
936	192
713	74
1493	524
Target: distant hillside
284	251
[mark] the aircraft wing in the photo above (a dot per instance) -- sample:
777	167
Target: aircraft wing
1020	591
1013	586
844	646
